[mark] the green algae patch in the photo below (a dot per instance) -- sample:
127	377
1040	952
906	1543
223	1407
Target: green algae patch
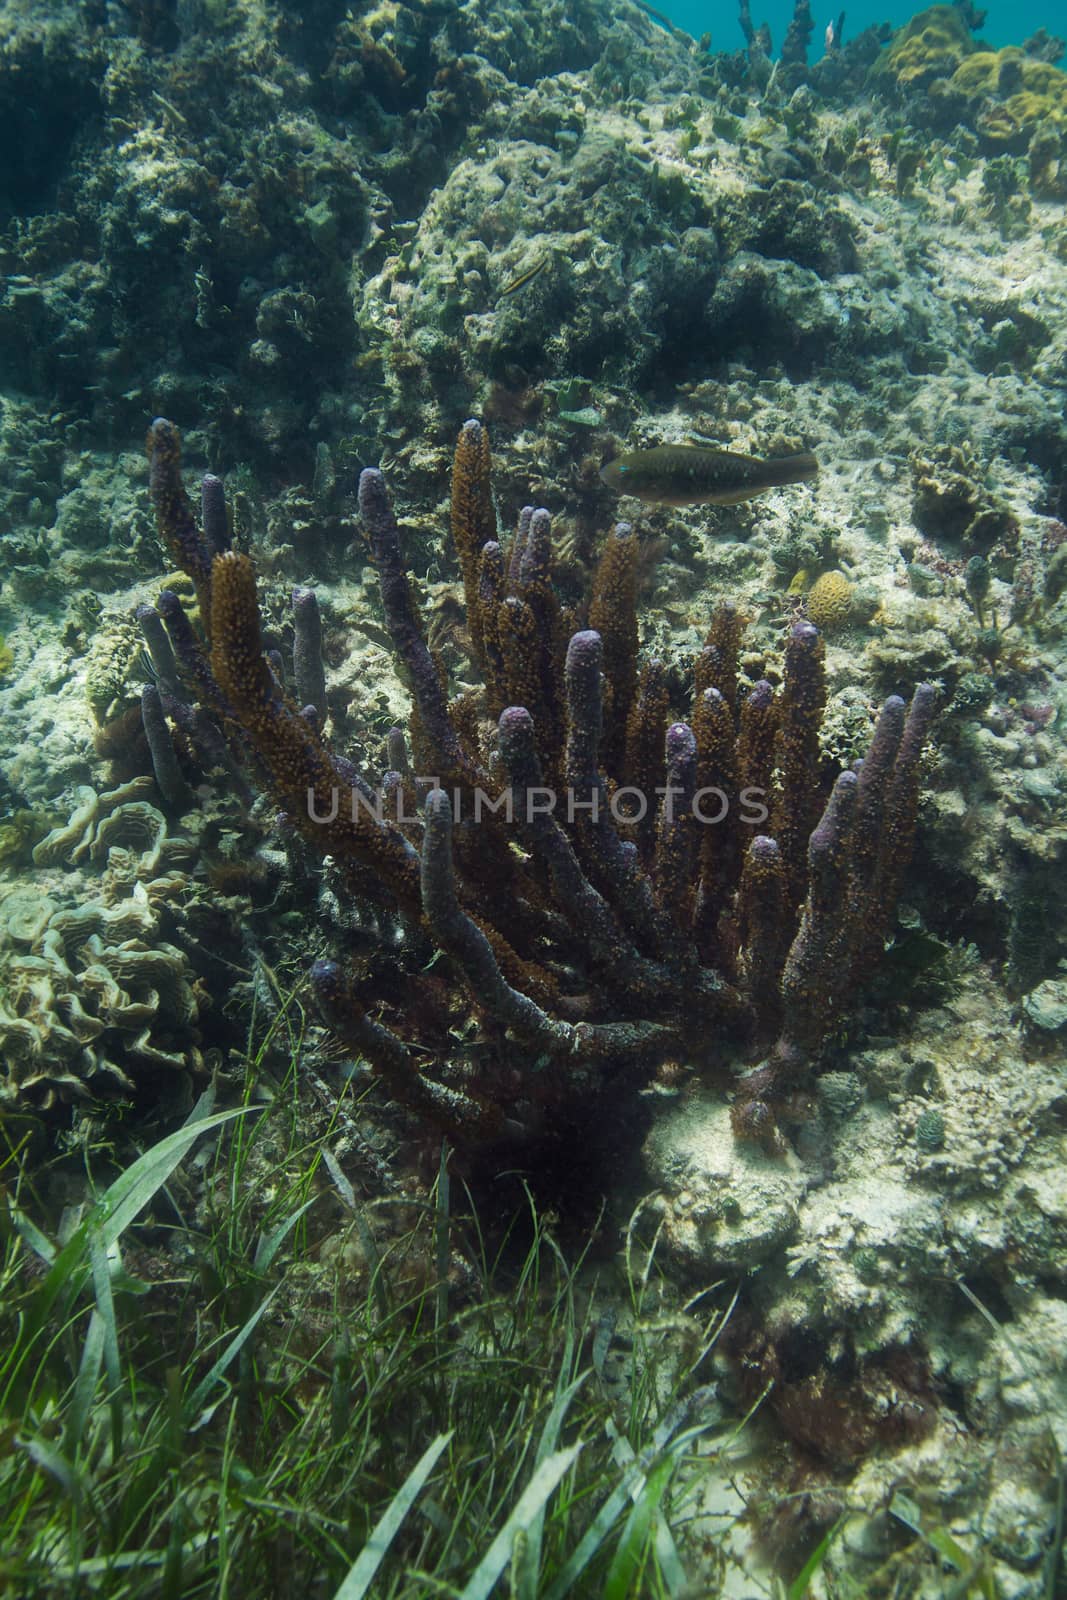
932	45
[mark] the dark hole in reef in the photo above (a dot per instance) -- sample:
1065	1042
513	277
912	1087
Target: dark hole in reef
945	899
990	1295
307	33
37	130
569	1171
701	347
155	23
1044	445
953	1396
801	1354
1053	502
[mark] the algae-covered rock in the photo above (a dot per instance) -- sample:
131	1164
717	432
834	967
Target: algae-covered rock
114	673
932	45
1045	1008
952	499
1011	96
724	1205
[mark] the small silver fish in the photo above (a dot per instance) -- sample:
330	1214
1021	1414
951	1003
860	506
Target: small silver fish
690	475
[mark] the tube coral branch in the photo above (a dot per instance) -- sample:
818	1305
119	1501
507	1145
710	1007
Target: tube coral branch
172	786
301	773
450	759
613	613
174	511
802	705
461	937
391	1059
308	669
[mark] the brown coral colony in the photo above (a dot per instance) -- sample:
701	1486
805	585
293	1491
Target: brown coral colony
609	887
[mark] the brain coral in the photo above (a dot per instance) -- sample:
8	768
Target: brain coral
829	601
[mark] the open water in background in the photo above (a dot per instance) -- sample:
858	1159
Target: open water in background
1007	21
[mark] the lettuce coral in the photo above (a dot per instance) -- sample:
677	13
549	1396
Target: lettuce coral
93	997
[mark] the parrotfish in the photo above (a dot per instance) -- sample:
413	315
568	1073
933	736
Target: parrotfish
689	475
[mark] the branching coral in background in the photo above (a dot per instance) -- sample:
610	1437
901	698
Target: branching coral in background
590	869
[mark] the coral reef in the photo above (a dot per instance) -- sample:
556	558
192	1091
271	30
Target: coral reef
830	601
931	46
95	997
952	505
1011	98
625	931
933	1160
601	237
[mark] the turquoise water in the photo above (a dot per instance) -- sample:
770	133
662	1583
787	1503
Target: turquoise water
1005	23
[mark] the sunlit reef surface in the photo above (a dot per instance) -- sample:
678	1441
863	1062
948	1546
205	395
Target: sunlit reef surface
319	238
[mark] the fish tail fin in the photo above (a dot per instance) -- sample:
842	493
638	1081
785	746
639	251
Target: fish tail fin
794	469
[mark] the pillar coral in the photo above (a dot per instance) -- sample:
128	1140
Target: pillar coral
601	893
